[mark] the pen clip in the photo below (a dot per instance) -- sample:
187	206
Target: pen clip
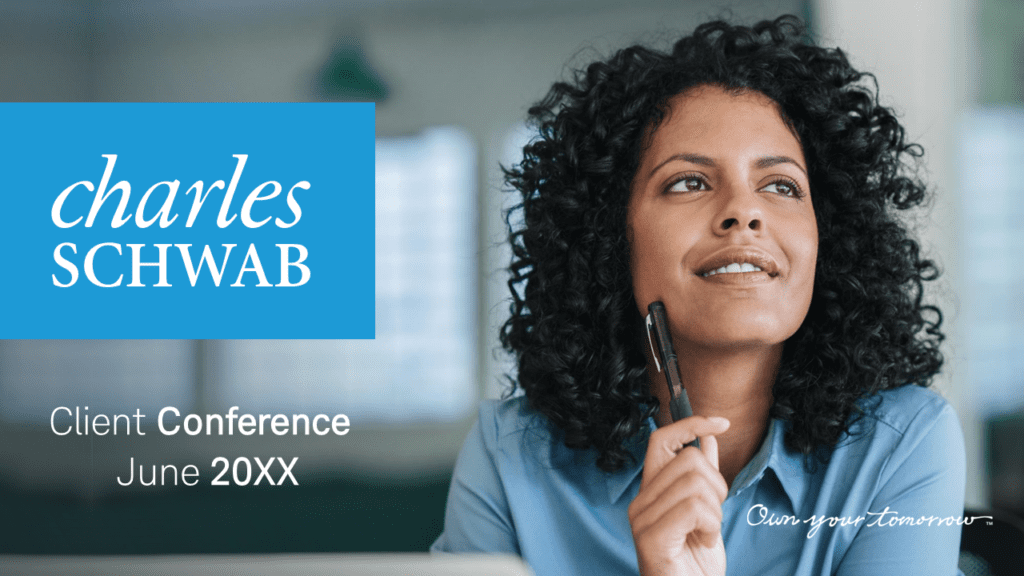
650	341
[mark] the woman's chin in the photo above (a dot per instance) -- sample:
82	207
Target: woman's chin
725	337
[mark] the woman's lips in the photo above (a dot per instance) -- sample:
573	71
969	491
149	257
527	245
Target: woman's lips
738	261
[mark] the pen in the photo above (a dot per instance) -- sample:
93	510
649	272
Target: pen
661	349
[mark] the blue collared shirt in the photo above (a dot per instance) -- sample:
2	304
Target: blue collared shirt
886	502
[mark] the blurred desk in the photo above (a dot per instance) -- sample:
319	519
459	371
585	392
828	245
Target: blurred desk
269	565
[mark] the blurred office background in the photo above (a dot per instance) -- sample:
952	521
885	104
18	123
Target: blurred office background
452	79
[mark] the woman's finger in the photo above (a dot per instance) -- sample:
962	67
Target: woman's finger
692	485
666	442
688	464
693	521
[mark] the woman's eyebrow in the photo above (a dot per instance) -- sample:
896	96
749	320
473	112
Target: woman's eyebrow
761	163
769	161
694	158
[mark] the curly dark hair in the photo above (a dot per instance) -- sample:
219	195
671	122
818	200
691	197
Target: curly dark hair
574	325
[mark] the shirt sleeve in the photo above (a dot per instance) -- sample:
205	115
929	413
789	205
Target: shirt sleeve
477	516
912	527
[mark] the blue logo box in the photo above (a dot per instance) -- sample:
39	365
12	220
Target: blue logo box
231	220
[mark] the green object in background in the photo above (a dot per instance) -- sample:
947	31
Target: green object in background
348	76
336	515
1000	35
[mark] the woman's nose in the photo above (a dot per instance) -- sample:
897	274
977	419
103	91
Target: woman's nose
740	212
734	223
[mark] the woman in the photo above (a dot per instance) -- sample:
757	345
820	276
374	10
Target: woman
750	181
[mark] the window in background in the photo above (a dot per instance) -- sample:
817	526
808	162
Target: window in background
108	376
993	219
422	364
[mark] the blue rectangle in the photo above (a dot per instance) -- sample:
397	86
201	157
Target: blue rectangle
68	268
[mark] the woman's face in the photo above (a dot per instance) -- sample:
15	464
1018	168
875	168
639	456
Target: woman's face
722	229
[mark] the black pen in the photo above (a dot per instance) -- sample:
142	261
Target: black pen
661	349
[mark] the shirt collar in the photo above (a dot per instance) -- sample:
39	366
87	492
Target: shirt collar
619	482
787	466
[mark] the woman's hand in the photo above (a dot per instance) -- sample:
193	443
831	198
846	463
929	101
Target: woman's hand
677	516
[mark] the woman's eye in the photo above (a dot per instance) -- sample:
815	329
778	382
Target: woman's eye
783	188
689	184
